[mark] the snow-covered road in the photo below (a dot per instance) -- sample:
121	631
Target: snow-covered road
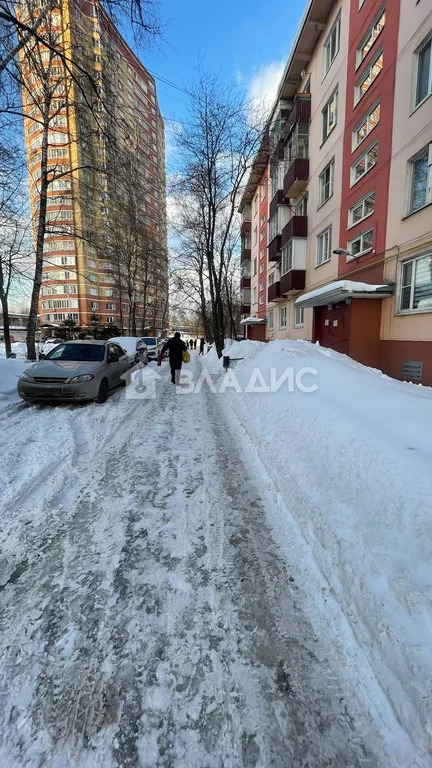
150	615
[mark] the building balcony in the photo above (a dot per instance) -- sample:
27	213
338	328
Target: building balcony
245	254
277	199
274	291
244	282
300	113
245	309
274	248
246	296
296	177
278	151
293	281
296	227
245	228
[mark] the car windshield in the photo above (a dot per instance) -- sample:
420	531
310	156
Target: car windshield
149	340
78	352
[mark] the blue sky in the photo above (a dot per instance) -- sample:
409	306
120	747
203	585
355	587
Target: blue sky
243	38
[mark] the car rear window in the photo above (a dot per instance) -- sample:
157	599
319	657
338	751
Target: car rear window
149	340
78	352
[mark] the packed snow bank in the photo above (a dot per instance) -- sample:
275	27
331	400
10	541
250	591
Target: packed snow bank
10	371
19	348
238	350
353	461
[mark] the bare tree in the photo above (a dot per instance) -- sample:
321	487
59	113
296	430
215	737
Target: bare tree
216	147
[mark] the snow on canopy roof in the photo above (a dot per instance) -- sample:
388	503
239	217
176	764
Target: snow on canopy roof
252	320
341	290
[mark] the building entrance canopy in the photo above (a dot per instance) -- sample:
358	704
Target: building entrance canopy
334	293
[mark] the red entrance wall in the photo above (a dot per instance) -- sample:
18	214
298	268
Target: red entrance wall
256	332
394	353
352	329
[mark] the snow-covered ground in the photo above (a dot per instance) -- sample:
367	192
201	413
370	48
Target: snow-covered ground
353	462
163	585
10	371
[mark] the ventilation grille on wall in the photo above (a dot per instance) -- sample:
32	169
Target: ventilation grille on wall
412	369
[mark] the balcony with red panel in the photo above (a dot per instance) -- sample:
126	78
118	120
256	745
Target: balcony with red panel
274	291
274	248
245	254
296	227
300	113
293	281
245	282
245	228
296	177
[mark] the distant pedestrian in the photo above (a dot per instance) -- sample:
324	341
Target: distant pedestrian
187	343
175	347
201	347
195	343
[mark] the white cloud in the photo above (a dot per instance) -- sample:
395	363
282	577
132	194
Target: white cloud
263	85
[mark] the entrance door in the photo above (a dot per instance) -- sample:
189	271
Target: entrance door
332	326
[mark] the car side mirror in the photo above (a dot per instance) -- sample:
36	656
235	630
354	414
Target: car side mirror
112	358
41	356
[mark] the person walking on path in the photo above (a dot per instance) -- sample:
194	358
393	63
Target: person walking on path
175	348
201	348
195	343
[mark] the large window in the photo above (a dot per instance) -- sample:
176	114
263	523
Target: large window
326	182
366	125
424	71
282	317
360	244
374	32
364	164
421	180
368	77
416	284
302	206
332	44
323	253
329	115
361	210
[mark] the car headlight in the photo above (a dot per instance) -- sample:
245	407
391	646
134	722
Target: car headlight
25	377
83	377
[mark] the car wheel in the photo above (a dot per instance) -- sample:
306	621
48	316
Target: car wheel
103	391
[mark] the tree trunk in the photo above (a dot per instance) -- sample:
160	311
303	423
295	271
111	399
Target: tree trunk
6	329
33	316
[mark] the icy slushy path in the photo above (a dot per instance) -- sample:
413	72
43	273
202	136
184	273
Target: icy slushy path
148	617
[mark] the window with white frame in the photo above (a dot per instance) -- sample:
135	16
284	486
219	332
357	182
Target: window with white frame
420	178
326	182
262	253
271	278
368	77
323	252
270	320
329	116
416	284
110	306
423	63
261	299
282	317
263	190
287	257
372	34
332	44
261	269
298	317
360	245
94	305
364	163
261	286
255	295
366	125
361	210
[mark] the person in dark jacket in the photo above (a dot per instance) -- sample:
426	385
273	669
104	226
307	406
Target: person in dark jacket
201	347
175	348
195	343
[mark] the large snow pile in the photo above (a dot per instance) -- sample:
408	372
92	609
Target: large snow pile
353	461
238	350
10	371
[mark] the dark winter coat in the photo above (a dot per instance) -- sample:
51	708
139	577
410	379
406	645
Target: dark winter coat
175	347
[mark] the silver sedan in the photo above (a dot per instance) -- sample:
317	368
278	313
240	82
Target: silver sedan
75	371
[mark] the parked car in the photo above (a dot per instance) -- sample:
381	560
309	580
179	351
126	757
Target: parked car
135	348
75	371
154	346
